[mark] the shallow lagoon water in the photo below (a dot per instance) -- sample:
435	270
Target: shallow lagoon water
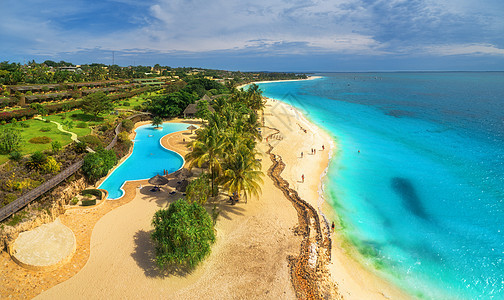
423	199
147	159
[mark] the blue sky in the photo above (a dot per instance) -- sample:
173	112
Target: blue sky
271	35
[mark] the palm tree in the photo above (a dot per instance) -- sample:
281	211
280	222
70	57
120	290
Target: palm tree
206	149
242	174
254	97
157	121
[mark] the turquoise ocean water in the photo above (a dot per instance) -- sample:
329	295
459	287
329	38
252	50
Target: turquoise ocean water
423	200
147	159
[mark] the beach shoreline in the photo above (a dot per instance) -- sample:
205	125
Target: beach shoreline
287	80
353	279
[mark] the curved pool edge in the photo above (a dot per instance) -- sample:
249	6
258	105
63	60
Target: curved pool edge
125	158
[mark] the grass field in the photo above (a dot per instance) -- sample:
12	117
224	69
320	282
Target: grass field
39	128
137	100
34	130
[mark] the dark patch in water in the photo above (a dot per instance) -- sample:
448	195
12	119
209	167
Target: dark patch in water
404	188
399	113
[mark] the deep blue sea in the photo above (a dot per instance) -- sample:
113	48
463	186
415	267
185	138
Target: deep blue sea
423	200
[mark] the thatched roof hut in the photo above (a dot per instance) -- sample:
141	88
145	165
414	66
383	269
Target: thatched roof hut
158	180
191	109
181	174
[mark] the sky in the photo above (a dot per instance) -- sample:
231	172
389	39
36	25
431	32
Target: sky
259	35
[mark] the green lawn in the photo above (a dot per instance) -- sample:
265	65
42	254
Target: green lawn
136	100
70	123
35	131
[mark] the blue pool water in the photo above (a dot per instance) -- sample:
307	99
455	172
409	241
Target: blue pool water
423	201
147	159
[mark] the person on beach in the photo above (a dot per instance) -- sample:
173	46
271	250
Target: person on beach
302	178
301	154
323	147
332	226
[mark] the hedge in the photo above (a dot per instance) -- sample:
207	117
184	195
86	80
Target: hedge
88	202
94	192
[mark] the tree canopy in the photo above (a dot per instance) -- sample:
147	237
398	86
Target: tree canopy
171	105
97	165
226	144
97	103
10	140
183	234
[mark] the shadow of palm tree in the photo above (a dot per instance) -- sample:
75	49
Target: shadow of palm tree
144	255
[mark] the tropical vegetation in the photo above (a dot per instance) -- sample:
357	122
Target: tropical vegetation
96	104
225	144
183	234
97	164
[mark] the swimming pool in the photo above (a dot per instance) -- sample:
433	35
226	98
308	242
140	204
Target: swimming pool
148	158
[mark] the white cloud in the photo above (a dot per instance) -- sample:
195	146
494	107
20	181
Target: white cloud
465	49
270	27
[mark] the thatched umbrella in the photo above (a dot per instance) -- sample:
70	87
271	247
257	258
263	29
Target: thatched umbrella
183	186
181	174
192	127
158	180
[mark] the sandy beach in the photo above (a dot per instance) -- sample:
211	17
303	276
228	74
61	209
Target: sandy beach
267	81
254	240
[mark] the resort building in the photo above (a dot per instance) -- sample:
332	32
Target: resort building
191	109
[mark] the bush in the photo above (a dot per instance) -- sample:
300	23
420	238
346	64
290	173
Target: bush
97	165
123	137
51	165
183	234
45	129
80	147
56	146
36	161
15	155
10	140
91	140
126	103
74	201
88	202
94	192
82	125
198	190
24	125
40	140
128	125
